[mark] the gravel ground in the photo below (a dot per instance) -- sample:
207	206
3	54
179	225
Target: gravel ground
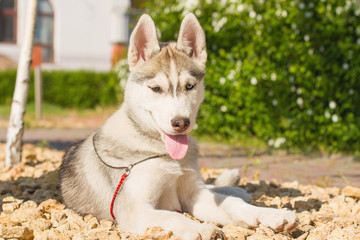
32	209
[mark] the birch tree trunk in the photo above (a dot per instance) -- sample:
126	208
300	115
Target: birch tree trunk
16	124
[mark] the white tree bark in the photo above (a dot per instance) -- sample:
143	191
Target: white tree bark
16	124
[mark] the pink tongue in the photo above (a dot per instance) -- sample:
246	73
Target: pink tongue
176	145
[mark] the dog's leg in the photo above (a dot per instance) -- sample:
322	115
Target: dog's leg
149	198
217	207
138	219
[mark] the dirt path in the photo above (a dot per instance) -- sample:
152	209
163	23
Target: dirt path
321	170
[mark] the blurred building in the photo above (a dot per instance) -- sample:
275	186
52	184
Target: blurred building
70	34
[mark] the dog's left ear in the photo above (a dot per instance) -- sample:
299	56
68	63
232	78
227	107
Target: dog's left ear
191	39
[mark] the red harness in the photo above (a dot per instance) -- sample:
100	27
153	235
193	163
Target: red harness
115	193
123	177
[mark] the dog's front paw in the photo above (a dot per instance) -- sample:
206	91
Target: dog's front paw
278	219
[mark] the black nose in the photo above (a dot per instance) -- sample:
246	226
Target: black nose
180	124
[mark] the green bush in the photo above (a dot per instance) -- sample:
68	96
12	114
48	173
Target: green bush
285	72
77	89
7	84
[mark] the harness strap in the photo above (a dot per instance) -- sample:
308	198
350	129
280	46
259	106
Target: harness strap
115	194
123	177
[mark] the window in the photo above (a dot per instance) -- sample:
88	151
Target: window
44	30
8	21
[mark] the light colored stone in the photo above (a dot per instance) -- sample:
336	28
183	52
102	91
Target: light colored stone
355	211
56	234
9	207
65	227
337	233
265	199
17	232
243	230
276	202
304	218
28	171
350	191
127	235
114	236
88	217
332	190
28	205
47	216
232	231
321	232
285	200
57	216
259	236
75	221
157	233
5	220
39	224
98	233
106	224
11	199
322	217
51	205
25	215
294	185
77	236
264	230
274	183
92	223
38	173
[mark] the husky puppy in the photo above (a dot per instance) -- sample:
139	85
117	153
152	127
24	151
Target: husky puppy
145	146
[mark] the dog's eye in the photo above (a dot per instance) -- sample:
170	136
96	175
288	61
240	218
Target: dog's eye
156	89
190	86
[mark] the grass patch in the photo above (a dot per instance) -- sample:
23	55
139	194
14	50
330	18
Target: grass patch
48	109
54	116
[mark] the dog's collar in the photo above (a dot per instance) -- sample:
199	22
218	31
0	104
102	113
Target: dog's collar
127	168
123	177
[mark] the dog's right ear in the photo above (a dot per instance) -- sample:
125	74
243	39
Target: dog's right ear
143	41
